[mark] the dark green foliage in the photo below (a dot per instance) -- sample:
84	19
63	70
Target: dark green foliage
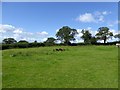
104	34
18	45
86	36
66	34
23	41
50	41
9	41
93	40
21	45
5	46
36	44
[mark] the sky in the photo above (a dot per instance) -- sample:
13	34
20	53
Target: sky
39	20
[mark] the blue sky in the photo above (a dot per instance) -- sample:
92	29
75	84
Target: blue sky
27	20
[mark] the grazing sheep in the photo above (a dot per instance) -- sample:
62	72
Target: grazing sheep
117	44
55	49
60	49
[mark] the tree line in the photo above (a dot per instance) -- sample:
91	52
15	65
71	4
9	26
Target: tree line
65	35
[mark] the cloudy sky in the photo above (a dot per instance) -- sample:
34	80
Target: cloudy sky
39	20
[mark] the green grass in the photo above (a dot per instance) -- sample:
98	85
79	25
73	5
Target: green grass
77	67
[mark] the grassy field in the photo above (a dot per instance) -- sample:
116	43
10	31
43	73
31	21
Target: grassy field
77	67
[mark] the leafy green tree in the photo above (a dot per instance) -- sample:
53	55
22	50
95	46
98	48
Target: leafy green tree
86	36
23	44
35	41
66	34
117	36
104	34
9	41
50	41
23	41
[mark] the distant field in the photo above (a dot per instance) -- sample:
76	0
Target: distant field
77	67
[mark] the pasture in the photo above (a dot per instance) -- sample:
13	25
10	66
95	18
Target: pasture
76	67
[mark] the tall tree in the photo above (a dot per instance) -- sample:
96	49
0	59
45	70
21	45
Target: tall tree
66	34
104	34
86	36
9	41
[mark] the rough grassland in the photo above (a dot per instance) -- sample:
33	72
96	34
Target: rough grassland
77	67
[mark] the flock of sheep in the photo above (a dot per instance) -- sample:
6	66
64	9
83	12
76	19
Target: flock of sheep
59	49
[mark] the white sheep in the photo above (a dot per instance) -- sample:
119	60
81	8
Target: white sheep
117	44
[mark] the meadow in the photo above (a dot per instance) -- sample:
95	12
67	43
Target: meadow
76	67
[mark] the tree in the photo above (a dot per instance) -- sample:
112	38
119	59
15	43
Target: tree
117	36
23	41
104	34
93	40
9	41
23	44
86	36
35	41
66	34
50	41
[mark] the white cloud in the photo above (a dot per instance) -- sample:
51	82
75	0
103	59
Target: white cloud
19	34
93	17
110	25
17	31
113	23
93	32
89	28
42	33
101	18
106	12
102	13
6	28
87	17
114	31
57	30
44	39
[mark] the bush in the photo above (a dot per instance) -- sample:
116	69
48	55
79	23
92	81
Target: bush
5	46
23	45
27	45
